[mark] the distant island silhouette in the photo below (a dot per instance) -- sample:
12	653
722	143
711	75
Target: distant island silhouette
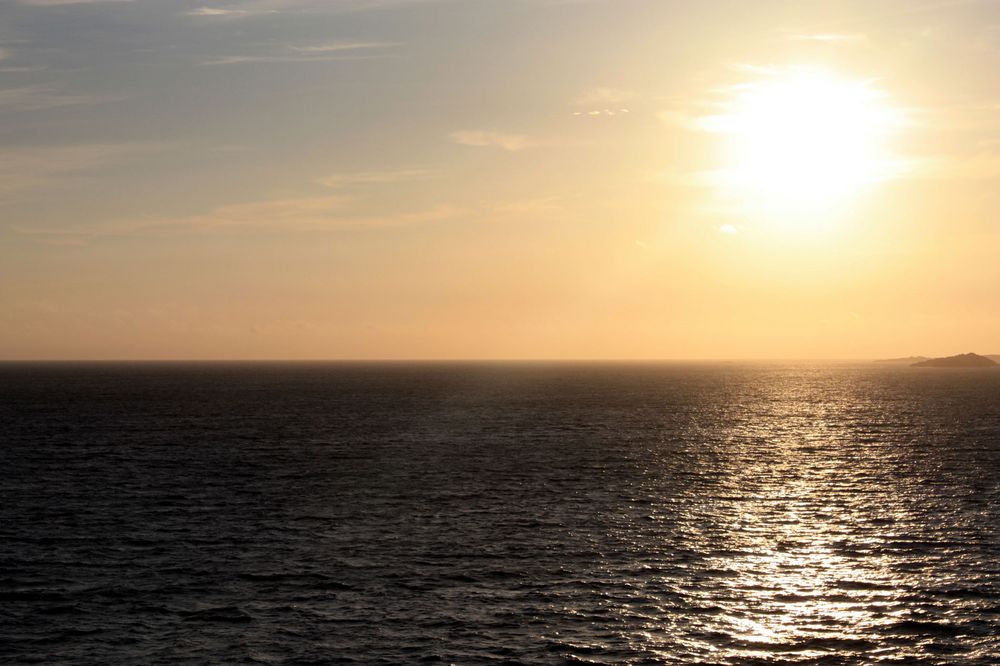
960	361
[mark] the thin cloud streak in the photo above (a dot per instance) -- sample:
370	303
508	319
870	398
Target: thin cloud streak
603	96
34	168
337	47
242	60
39	97
58	3
830	37
255	8
301	214
317	53
338	180
216	12
490	139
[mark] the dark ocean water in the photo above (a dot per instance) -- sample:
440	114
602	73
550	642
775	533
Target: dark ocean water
394	514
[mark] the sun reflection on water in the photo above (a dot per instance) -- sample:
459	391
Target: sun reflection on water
799	506
797	541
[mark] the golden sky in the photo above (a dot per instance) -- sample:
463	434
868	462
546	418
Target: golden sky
565	179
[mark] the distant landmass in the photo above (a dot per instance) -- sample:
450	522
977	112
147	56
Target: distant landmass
960	361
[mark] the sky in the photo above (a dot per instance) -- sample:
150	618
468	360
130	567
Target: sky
498	179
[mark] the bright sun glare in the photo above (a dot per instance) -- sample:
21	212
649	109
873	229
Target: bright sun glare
803	141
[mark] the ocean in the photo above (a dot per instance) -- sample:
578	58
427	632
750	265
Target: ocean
393	513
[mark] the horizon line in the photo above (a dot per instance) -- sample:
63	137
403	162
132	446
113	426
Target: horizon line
720	359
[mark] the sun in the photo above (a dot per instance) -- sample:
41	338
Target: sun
803	140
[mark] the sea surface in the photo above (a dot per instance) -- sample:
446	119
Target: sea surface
499	513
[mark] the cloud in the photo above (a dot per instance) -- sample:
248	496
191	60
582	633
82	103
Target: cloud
488	139
30	168
596	113
56	3
603	102
604	97
338	180
339	47
253	8
317	53
535	206
983	115
984	165
216	11
301	214
831	37
7	54
241	60
679	119
38	97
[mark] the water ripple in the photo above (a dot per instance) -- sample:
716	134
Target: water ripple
601	514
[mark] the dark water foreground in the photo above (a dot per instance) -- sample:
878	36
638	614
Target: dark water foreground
397	514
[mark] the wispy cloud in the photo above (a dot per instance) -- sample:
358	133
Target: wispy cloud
54	3
489	139
32	168
7	54
984	165
245	59
830	37
38	97
301	214
679	118
601	96
338	180
253	8
597	113
534	206
983	115
339	47
315	53
216	12
603	102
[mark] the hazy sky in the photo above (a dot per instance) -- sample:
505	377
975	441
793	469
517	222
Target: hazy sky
498	179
